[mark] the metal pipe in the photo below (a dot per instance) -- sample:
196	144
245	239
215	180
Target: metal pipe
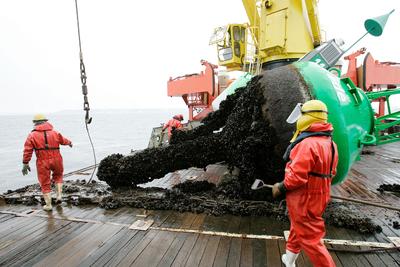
350	200
365	202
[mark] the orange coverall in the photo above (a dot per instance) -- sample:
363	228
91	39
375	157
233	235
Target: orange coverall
46	143
172	123
308	177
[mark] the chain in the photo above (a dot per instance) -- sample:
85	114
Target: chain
86	106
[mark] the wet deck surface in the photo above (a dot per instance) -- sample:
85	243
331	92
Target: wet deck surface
103	237
52	241
381	165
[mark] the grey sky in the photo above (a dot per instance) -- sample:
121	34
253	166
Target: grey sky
131	48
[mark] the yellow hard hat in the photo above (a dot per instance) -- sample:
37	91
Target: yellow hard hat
312	111
39	117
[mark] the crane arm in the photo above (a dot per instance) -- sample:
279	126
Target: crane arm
312	12
254	18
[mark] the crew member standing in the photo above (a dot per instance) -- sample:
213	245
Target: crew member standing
46	143
174	123
312	159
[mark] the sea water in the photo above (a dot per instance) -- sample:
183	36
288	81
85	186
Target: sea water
112	131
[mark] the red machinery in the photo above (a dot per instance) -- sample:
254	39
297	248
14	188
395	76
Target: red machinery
198	90
373	76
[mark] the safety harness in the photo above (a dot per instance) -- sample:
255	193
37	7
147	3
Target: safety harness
305	135
46	143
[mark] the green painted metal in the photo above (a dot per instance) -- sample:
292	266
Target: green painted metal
238	83
383	93
350	113
387	126
336	70
376	25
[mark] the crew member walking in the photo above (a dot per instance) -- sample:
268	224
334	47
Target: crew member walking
312	159
174	123
46	143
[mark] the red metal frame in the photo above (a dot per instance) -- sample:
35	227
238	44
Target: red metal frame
197	90
352	68
373	75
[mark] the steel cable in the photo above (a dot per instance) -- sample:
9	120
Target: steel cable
86	107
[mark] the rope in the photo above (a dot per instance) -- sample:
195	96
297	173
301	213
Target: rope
86	107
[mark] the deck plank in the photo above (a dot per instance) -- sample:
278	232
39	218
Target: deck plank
77	248
246	257
258	226
210	251
52	243
246	251
185	250
133	253
259	252
121	250
28	242
108	248
222	253
173	250
196	253
372	258
335	257
224	224
154	252
5	217
346	259
179	240
272	253
70	246
235	252
17	224
158	247
388	231
13	239
235	246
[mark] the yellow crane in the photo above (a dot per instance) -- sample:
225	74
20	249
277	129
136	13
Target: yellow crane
278	33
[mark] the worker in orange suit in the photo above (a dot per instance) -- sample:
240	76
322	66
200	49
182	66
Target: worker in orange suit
312	159
46	143
174	123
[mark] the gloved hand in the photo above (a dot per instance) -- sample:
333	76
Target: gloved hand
25	169
70	145
276	192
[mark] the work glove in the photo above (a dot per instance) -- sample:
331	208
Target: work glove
25	169
276	192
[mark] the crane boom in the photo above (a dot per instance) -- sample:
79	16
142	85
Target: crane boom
253	15
312	11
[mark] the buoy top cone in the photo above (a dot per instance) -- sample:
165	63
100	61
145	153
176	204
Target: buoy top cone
376	25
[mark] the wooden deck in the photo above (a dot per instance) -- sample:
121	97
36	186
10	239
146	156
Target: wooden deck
90	236
380	165
55	240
